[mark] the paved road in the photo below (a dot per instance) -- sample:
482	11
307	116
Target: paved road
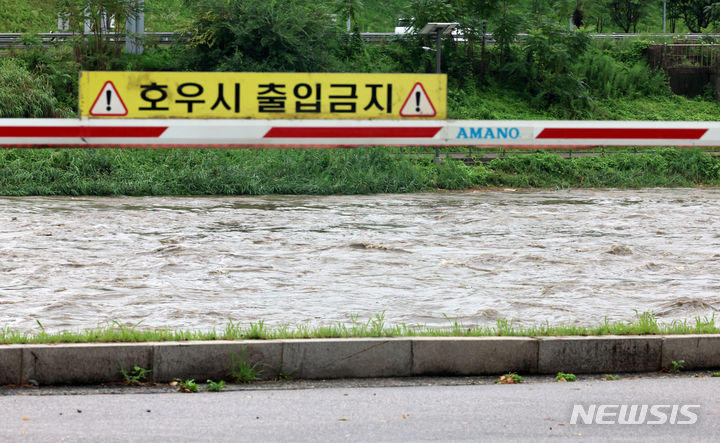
380	410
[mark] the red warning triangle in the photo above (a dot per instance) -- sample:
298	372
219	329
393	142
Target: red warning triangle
417	103
108	102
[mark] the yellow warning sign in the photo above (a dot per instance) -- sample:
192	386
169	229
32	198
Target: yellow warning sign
262	95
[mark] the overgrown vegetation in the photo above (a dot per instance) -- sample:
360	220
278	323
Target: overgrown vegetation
644	324
24	94
35	16
382	15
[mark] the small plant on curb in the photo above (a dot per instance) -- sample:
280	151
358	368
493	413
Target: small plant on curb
284	375
186	385
715	374
242	371
677	366
510	379
563	377
610	377
137	375
215	386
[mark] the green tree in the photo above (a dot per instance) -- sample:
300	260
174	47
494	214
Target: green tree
578	15
673	13
695	13
475	20
545	70
596	15
426	11
102	45
539	7
714	11
262	35
506	30
627	13
349	11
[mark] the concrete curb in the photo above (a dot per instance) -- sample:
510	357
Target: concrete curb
67	364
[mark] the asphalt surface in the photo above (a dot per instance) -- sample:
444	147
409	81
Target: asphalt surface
405	409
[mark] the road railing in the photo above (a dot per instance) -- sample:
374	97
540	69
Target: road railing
48	39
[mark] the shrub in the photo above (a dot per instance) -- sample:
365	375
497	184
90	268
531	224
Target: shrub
607	77
262	36
24	95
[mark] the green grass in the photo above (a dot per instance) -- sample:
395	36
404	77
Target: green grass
209	172
668	108
643	324
215	386
321	172
30	16
166	15
677	366
241	370
136	376
499	103
619	168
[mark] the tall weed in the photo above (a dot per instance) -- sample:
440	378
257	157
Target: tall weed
607	77
24	95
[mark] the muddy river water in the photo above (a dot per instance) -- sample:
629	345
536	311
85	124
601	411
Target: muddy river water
574	256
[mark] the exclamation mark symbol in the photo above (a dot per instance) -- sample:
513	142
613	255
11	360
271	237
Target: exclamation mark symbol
417	101
108	96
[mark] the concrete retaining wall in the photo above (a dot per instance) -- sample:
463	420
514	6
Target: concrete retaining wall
346	358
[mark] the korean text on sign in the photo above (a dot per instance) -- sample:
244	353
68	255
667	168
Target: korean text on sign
262	95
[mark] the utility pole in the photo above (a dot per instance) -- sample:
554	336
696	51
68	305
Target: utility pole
135	29
438	29
664	15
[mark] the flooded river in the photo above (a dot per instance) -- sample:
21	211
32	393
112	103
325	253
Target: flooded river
194	263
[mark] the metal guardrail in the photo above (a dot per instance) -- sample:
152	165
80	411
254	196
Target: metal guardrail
15	40
378	37
48	39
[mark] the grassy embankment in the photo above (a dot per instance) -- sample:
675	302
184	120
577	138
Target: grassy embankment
644	324
358	171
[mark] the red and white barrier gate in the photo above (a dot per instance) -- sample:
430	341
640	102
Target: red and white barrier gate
340	133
